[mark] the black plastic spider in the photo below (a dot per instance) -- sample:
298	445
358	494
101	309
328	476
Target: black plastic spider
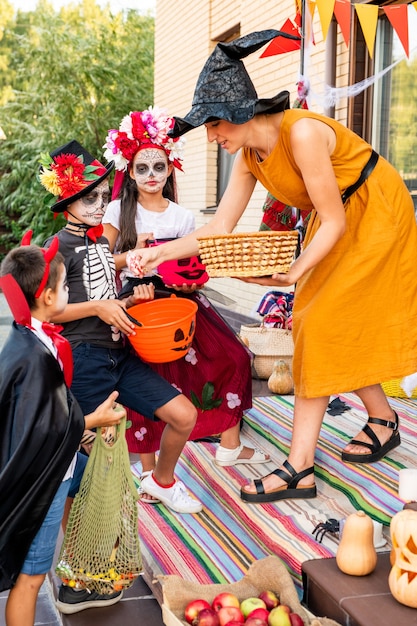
331	526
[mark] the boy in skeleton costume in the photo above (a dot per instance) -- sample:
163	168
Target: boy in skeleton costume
95	320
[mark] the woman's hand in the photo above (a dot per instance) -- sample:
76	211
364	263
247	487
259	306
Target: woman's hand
142	260
275	280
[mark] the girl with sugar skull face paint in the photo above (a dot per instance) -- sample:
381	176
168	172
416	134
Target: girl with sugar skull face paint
145	208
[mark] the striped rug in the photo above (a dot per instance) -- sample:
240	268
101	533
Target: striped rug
218	544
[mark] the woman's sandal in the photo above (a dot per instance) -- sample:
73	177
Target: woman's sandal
378	451
291	477
143	496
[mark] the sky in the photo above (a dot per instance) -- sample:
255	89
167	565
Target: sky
115	5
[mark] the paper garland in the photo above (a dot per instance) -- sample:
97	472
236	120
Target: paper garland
367	16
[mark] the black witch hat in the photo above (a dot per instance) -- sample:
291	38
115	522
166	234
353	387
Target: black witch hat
224	89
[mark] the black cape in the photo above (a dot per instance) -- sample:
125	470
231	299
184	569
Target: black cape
41	425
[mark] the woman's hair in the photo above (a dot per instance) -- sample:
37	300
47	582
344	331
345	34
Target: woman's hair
27	266
128	196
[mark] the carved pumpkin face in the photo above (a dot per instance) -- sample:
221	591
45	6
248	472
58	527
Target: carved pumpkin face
182	342
180	271
403	576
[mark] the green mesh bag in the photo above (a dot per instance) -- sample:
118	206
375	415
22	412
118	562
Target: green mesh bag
101	550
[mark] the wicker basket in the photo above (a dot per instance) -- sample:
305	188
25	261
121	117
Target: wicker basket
268	345
393	388
248	254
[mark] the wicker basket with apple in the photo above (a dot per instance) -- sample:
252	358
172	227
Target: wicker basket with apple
266	595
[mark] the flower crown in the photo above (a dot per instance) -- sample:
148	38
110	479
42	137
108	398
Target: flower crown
139	129
66	174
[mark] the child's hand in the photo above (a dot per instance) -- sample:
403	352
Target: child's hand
185	288
106	414
142	293
142	239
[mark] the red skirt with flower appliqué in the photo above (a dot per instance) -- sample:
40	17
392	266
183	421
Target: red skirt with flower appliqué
215	375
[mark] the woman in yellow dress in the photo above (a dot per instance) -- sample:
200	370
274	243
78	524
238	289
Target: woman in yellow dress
355	307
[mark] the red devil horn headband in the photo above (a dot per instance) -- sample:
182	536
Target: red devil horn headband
48	255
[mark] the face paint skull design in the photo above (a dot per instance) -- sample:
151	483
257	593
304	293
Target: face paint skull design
89	209
150	169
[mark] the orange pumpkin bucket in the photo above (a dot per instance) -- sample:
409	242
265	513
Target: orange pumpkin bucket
168	326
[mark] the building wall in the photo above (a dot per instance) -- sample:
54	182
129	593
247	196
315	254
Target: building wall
185	34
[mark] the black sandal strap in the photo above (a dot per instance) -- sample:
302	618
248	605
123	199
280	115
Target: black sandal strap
259	485
386	423
376	444
290	476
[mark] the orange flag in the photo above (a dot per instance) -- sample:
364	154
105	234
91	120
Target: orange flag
368	18
343	15
398	16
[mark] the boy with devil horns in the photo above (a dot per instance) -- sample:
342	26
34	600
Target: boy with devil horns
41	424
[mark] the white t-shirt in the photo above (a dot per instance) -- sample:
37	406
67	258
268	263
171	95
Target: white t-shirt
175	221
39	332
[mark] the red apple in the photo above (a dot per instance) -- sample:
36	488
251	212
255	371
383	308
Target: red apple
270	598
233	622
193	608
225	599
207	617
255	621
296	620
279	616
229	613
261	613
250	604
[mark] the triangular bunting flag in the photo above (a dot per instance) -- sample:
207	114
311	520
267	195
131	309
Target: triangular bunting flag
414	5
279	45
368	18
398	16
325	9
343	15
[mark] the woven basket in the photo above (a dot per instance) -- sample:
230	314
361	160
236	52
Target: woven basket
248	254
393	388
268	345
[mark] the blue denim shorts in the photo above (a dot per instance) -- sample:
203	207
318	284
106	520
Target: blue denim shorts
99	371
78	474
40	556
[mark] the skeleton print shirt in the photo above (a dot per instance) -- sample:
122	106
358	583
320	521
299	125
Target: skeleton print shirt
91	276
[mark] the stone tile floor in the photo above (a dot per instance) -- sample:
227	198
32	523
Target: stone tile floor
138	606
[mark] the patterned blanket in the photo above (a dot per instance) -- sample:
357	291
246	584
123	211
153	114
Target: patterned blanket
218	544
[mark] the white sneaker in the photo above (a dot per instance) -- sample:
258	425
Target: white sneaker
226	457
142	493
175	497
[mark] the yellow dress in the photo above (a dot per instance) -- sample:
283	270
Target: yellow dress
355	312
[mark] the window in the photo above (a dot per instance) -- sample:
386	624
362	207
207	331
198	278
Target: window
394	118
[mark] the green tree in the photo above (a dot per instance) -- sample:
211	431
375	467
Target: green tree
73	74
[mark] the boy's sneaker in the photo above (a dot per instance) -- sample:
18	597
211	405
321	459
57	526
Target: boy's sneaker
175	497
70	601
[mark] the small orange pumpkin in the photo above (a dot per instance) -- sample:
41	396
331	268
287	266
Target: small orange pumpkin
402	579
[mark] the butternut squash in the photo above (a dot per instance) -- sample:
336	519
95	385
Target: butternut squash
280	381
356	554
